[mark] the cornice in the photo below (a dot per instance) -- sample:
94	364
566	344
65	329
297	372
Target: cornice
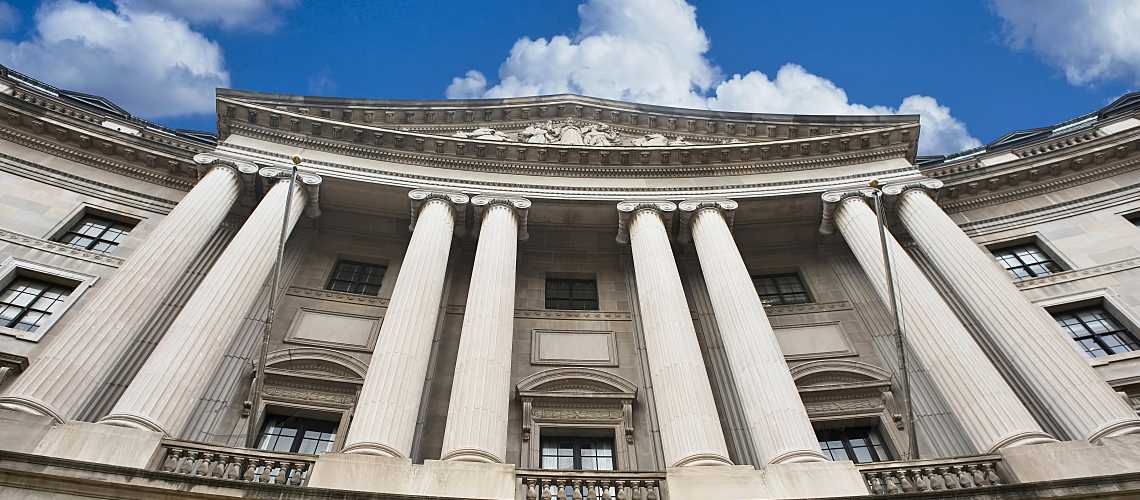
451	113
402	145
571	192
77	183
101	162
1078	274
1069	208
348	298
60	249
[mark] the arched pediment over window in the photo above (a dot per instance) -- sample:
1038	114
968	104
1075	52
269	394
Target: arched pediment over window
842	388
837	372
577	382
316	362
314	377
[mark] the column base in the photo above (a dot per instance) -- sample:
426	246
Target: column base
372	448
134	422
795	480
702	459
399	476
1120	428
33	406
1022	439
471	455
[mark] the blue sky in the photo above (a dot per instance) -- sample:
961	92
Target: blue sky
973	69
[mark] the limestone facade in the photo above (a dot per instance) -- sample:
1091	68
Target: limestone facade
489	299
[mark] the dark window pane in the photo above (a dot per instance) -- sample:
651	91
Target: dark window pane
1026	261
571	294
858	444
1096	333
96	234
781	289
356	277
27	304
568	453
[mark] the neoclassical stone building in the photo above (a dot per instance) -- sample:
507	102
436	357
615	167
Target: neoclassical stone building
561	297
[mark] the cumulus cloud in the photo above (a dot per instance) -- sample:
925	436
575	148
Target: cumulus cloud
245	15
1089	40
151	64
653	51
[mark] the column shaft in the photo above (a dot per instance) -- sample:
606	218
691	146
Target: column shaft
384	422
690	428
777	420
984	404
168	385
80	356
476	428
1084	405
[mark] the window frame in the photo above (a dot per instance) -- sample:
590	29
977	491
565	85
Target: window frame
1047	249
578	441
597	302
332	277
13	268
305	421
64	227
869	431
808	297
1106	300
1127	338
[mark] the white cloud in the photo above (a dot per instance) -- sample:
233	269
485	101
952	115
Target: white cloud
653	51
1089	40
244	15
150	64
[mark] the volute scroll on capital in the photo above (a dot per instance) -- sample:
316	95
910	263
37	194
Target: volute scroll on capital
627	209
689	208
309	181
930	186
454	199
208	160
519	205
832	199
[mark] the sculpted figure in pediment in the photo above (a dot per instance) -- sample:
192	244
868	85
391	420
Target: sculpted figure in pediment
484	134
600	135
539	134
570	133
651	140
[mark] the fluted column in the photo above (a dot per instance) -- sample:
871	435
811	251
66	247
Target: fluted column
777	420
384	421
686	412
476	428
80	355
168	385
986	407
1031	342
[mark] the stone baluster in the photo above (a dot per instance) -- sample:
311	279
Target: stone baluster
167	387
777	420
384	421
81	354
690	427
476	429
1029	340
989	412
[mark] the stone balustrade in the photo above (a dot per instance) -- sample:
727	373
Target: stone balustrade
582	485
235	464
891	478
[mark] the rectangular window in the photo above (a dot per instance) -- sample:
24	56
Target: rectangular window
297	435
1095	332
781	289
98	234
27	304
1026	261
861	445
356	277
575	453
572	294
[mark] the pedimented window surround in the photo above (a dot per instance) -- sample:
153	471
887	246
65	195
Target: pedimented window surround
850	393
570	401
312	382
11	268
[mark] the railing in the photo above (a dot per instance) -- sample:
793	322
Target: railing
235	464
893	478
582	485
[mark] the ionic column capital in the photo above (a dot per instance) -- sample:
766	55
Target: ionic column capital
453	199
520	206
627	209
833	199
206	161
689	208
929	186
309	181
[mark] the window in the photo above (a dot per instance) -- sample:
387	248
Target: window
858	444
27	304
98	234
297	435
1026	261
571	453
1095	332
356	277
781	289
573	294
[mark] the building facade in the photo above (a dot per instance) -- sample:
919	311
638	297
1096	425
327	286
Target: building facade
561	297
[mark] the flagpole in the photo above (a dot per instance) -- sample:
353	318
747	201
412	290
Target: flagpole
259	375
897	317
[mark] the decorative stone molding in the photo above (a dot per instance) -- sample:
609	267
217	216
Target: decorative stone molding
454	199
626	209
929	185
814	307
520	206
310	182
60	248
1078	274
210	159
832	199
335	363
349	298
725	206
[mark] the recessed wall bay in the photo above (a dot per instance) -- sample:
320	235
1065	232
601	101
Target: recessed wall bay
567	347
814	341
332	329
